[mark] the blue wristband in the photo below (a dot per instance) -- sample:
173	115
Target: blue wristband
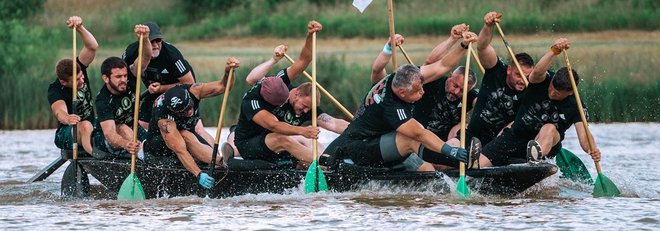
387	49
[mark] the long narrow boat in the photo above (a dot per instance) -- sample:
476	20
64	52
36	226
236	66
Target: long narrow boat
251	177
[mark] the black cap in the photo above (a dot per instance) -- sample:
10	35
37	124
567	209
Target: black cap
154	30
178	100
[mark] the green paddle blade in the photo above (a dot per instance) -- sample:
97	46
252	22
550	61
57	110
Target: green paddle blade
572	167
462	188
131	189
314	179
604	187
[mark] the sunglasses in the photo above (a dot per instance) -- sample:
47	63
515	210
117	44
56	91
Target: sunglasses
156	40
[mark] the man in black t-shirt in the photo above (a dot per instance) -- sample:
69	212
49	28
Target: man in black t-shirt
548	109
166	69
60	95
115	103
172	127
439	110
385	134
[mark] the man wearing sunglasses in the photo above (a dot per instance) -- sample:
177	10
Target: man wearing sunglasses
167	69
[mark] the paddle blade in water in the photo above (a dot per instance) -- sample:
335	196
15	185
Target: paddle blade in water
572	167
604	187
462	188
131	189
314	179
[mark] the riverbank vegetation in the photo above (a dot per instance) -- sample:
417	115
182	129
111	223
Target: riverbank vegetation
618	69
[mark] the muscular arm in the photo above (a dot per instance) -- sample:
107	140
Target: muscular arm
268	121
60	112
538	74
435	70
332	124
582	136
378	69
416	131
146	57
112	136
305	57
88	52
175	142
185	79
259	72
487	54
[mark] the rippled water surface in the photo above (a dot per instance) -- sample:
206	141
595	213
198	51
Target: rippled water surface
630	159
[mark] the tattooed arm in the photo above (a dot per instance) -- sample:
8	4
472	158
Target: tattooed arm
331	123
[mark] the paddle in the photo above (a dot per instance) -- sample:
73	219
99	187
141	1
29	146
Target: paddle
461	186
218	130
476	58
513	56
131	189
604	187
390	15
405	54
74	130
314	179
325	92
572	167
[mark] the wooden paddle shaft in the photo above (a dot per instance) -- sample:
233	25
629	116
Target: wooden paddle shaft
464	107
390	15
136	108
74	95
315	142
325	92
476	58
513	56
590	139
405	54
223	106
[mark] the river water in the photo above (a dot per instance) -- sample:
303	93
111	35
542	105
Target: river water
629	159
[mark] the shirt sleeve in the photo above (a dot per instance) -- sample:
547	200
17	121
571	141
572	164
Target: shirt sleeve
177	62
103	108
252	104
396	114
282	74
54	94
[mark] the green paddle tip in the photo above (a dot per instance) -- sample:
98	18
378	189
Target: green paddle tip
131	189
604	187
315	179
572	167
462	188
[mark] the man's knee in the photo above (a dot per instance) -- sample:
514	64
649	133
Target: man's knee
549	130
85	127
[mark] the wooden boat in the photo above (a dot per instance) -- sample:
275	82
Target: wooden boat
251	177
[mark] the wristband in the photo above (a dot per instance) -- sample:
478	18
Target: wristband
387	49
555	51
464	46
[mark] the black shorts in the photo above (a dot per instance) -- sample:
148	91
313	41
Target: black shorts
255	148
509	148
374	152
156	146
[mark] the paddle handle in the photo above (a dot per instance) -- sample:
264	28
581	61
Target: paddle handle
218	130
513	56
590	139
315	143
405	55
390	15
325	92
74	95
464	107
136	108
476	58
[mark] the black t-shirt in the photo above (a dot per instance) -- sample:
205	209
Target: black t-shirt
538	109
160	111
435	112
496	105
253	102
119	108
383	112
85	108
167	68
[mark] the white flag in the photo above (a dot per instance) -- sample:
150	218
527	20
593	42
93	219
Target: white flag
361	4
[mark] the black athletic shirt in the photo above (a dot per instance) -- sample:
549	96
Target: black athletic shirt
253	102
383	112
435	112
538	109
167	68
119	108
160	111
496	105
85	108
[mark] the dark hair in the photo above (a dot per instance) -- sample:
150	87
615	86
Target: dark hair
64	69
561	81
111	63
460	70
525	59
405	76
